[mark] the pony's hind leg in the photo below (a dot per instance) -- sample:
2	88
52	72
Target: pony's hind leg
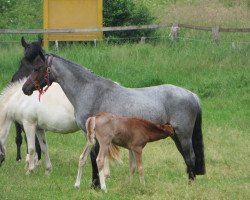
82	162
189	156
41	136
18	141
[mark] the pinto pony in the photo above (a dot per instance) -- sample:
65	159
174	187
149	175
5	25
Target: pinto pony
130	133
24	70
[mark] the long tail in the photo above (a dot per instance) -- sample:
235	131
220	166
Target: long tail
113	152
198	146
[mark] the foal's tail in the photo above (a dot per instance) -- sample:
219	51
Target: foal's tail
198	146
113	151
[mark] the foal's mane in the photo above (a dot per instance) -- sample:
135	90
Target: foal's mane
10	89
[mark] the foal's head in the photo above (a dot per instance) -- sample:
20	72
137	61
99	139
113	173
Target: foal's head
31	50
2	153
40	75
168	129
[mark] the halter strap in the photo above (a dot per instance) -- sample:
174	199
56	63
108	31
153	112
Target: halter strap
46	77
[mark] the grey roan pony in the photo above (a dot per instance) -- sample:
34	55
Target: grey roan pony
90	94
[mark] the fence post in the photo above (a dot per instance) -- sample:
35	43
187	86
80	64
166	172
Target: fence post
174	31
143	39
216	36
56	45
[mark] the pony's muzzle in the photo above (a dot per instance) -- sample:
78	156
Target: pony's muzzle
27	90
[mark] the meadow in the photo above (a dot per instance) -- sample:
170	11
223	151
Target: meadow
219	74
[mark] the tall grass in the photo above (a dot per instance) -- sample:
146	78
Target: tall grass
218	74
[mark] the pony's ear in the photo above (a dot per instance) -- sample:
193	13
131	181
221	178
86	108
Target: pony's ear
42	56
40	40
24	44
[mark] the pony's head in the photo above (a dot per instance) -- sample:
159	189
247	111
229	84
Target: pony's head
2	153
32	50
40	76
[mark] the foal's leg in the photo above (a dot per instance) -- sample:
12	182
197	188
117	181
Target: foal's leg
41	135
100	163
138	157
30	134
82	162
132	164
106	168
18	141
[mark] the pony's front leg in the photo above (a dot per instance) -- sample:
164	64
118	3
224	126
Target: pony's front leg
82	161
41	135
30	134
95	176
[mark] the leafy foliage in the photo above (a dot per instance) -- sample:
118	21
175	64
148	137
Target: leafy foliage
125	13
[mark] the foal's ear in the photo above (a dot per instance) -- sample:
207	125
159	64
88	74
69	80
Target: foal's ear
40	40
24	44
42	56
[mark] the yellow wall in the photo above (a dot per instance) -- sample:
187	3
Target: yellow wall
67	14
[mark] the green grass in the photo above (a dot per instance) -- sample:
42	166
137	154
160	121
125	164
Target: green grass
218	74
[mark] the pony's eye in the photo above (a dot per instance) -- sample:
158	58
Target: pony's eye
37	69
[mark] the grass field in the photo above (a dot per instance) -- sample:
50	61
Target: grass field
218	74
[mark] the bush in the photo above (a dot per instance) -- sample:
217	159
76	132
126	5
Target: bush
126	13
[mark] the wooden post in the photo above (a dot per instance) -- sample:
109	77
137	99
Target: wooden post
46	23
216	36
56	45
174	31
143	39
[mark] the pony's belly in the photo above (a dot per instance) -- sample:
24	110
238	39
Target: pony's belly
58	124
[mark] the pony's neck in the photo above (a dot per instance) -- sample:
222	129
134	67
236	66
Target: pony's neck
72	78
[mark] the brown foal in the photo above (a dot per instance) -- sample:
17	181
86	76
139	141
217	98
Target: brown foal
130	133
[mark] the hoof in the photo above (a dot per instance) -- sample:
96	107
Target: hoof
95	184
47	172
104	189
29	172
77	186
107	176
